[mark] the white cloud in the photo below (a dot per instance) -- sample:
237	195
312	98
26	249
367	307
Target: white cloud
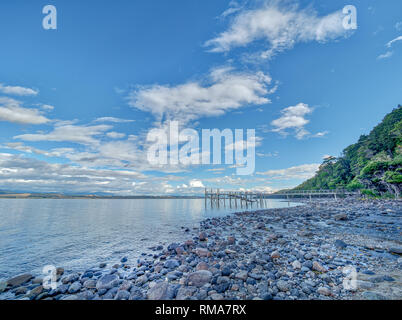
68	133
21	173
115	135
17	90
305	171
390	43
320	134
386	55
227	90
244	144
398	26
281	26
11	110
293	118
47	107
113	119
196	184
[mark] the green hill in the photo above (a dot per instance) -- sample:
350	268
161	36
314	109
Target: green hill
373	164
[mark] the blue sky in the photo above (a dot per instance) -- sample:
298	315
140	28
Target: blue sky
76	103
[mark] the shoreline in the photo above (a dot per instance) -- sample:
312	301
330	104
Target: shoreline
283	254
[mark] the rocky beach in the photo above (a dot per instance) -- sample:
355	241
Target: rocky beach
325	249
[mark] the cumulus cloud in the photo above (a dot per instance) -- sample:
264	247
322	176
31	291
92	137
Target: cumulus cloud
224	91
282	26
11	110
304	171
17	90
196	184
293	118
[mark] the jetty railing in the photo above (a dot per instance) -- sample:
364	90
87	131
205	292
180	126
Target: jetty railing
248	198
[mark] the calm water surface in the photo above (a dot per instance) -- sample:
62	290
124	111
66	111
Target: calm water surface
78	234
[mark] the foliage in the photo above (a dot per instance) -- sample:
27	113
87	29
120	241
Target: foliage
372	165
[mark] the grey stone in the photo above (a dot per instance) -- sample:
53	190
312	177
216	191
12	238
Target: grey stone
19	280
283	286
107	282
122	295
199	278
75	287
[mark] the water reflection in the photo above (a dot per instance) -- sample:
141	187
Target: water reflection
81	233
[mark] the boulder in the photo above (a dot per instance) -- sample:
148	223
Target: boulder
19	280
199	278
107	281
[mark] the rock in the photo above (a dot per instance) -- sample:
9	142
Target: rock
202	266
59	271
395	250
255	276
171	264
369	295
3	286
222	279
185	292
37	280
90	284
189	243
267	296
199	278
122	295
62	289
19	280
110	294
242	275
341	217
70	297
107	281
261	226
202	236
126	285
74	287
20	290
296	264
141	280
340	244
324	291
102	265
216	296
283	286
179	250
201	252
35	292
70	278
231	240
318	267
275	255
226	271
124	259
160	291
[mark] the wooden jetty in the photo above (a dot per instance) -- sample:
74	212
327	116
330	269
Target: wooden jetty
250	198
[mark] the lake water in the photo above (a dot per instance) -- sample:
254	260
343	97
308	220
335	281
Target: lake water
78	234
